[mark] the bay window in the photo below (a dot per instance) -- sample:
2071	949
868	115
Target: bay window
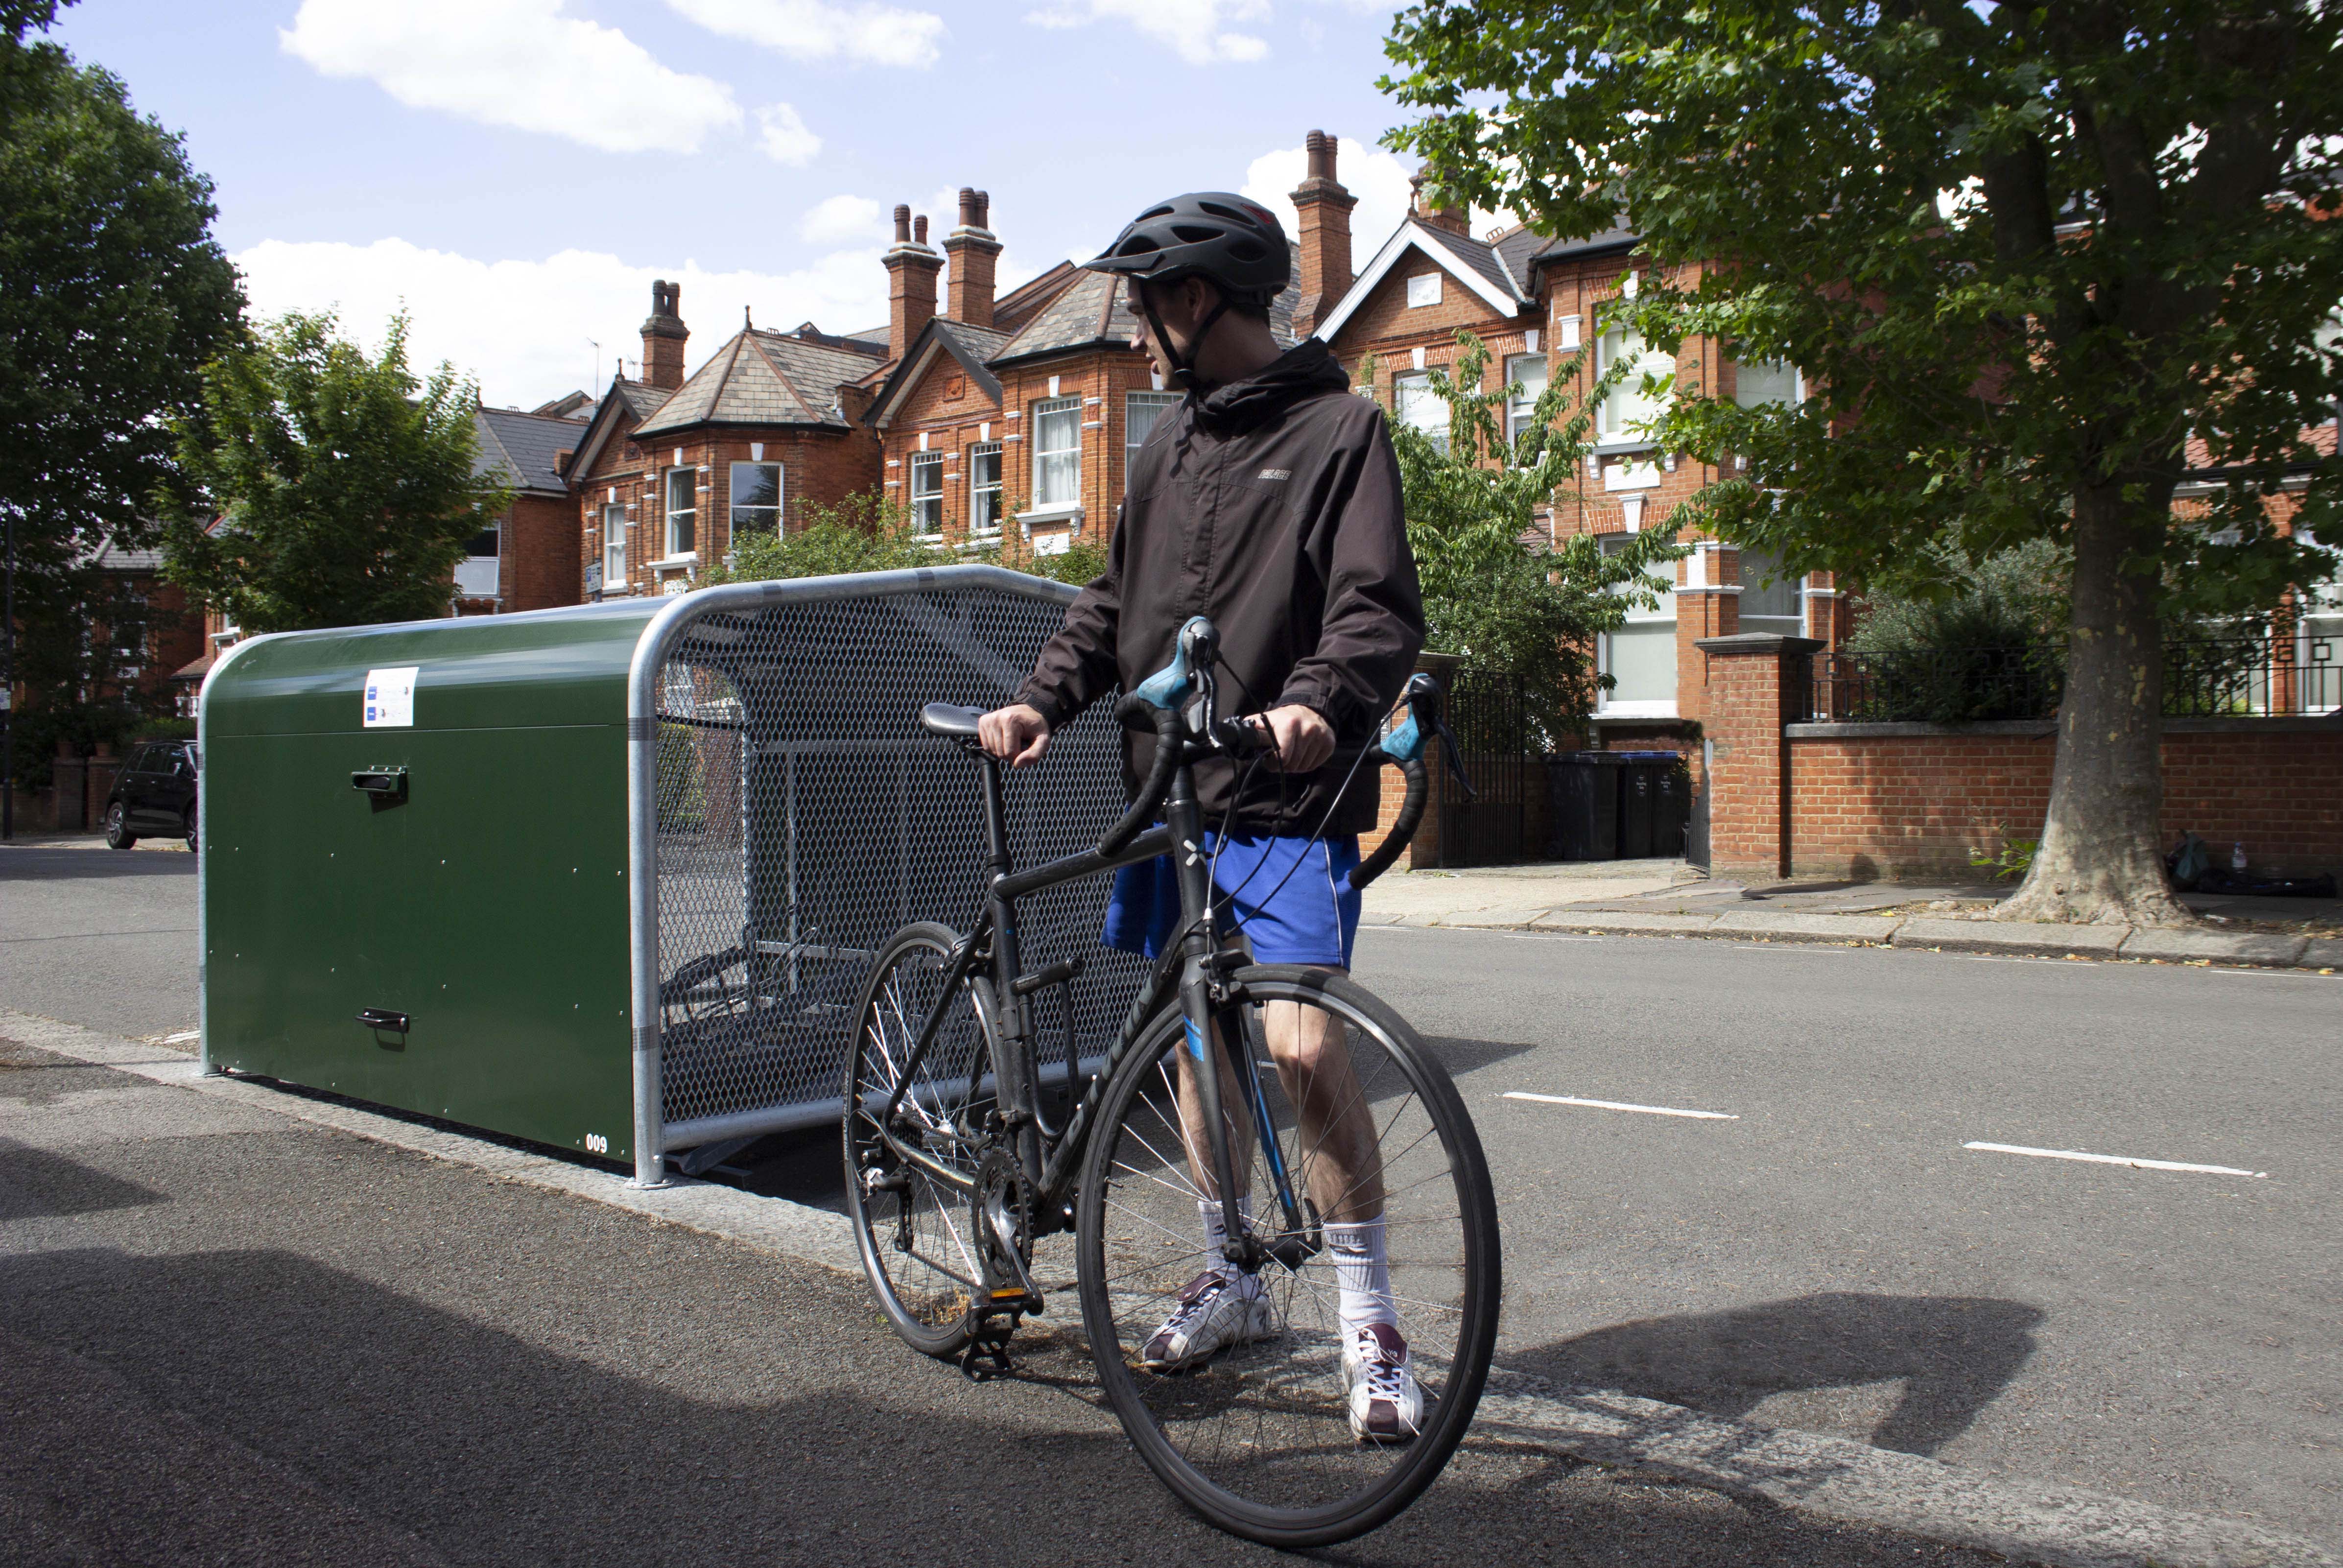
756	499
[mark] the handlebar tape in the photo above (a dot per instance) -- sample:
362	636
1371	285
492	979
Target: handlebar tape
1402	828
1150	799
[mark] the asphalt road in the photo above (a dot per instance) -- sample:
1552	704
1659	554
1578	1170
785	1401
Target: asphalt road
465	1363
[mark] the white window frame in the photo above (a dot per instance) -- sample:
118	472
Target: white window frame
1665	614
1162	403
1797	382
1422	289
733	508
924	494
1407	387
1518	407
984	497
670	514
1055	417
1625	407
614	546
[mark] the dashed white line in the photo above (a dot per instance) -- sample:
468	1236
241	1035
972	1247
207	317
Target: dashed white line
1619	1105
2115	1160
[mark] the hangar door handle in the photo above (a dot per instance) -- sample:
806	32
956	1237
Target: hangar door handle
382	1017
385	784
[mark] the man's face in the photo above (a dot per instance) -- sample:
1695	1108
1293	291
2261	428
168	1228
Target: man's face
1179	307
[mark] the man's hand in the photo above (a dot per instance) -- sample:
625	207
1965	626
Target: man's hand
1304	740
1016	734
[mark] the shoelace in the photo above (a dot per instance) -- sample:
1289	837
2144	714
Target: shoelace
1386	1374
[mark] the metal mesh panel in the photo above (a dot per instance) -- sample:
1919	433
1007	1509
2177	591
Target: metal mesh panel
804	816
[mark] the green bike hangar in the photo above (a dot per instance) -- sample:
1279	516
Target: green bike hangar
609	878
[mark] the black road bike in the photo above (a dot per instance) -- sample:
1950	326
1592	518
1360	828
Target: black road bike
1285	1096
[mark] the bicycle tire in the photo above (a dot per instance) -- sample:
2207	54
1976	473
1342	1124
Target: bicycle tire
1281	1466
908	1240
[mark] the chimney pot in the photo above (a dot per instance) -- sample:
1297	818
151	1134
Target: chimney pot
974	253
919	229
984	210
1321	148
969	217
903	224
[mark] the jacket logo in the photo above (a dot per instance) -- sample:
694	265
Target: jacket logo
1277	473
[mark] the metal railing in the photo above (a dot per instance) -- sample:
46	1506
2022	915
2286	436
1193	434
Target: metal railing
2286	674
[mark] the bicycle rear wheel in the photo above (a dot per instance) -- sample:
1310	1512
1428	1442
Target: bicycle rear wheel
1259	1439
911	1225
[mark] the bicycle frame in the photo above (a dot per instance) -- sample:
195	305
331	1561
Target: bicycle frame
1186	968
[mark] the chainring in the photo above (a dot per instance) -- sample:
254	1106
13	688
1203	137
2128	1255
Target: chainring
1002	1213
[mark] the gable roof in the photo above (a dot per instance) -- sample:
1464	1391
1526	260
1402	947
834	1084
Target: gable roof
627	401
761	377
967	346
1013	309
522	447
1474	263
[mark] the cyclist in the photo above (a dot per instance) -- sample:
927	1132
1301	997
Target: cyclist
1269	501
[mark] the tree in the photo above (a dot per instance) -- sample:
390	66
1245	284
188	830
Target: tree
1472	502
344	488
2021	253
111	293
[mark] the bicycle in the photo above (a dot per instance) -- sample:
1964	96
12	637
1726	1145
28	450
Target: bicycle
960	1159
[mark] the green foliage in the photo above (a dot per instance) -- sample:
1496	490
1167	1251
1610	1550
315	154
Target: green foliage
2014	598
866	534
345	485
1470	506
2016	859
112	294
1877	194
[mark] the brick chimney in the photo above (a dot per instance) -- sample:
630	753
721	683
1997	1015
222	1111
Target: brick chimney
1325	209
1455	219
973	251
911	269
663	337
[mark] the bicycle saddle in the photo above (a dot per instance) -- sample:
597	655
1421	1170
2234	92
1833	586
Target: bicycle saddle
955	723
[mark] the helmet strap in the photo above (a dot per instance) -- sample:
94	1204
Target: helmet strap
1181	371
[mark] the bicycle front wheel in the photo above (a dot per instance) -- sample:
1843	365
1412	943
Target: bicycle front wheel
910	1224
1260	1437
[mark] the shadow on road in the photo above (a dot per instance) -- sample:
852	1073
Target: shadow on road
1954	1354
18	864
35	1182
258	1405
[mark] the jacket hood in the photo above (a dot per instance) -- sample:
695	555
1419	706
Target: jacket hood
1304	370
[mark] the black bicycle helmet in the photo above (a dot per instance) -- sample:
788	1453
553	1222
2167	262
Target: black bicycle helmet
1235	242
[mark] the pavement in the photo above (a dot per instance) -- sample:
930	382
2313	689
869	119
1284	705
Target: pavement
1774	1292
1669	898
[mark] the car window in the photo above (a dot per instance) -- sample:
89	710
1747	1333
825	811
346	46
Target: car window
142	760
179	768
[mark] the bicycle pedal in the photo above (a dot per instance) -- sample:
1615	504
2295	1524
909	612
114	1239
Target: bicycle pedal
989	1341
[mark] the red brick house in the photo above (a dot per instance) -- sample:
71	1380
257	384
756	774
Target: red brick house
527	559
1533	301
669	469
1019	418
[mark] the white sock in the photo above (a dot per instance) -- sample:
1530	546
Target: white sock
1216	1236
1363	1270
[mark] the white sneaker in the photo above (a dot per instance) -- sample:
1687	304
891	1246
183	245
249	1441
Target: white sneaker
1386	1404
1213	1315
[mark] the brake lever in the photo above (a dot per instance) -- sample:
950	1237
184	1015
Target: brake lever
1456	757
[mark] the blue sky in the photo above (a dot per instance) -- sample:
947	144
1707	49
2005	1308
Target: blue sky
517	171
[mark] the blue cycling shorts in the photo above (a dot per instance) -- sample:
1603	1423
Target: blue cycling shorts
1291	898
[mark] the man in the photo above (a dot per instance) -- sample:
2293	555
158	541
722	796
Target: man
1269	501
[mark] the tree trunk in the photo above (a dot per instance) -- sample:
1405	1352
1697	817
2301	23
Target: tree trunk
2101	859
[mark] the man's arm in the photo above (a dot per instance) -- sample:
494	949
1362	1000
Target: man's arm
1077	667
1373	625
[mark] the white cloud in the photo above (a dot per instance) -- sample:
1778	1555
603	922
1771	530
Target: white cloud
521	328
1192	29
842	217
1375	177
519	62
782	133
809	30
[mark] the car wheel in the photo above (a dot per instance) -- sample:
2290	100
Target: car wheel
188	823
117	822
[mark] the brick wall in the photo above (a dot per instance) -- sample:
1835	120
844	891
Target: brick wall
539	546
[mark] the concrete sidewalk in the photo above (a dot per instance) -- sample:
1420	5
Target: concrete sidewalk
1667	898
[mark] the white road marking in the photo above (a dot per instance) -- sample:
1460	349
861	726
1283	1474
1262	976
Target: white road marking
1617	1105
182	1037
2115	1160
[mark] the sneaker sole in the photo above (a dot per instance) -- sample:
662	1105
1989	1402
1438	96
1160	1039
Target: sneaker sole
1189	1363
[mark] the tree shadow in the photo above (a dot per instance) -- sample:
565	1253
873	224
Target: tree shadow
1954	1354
35	1182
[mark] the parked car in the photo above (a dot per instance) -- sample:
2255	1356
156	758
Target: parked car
154	795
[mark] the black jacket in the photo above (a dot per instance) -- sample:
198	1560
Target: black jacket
1273	506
